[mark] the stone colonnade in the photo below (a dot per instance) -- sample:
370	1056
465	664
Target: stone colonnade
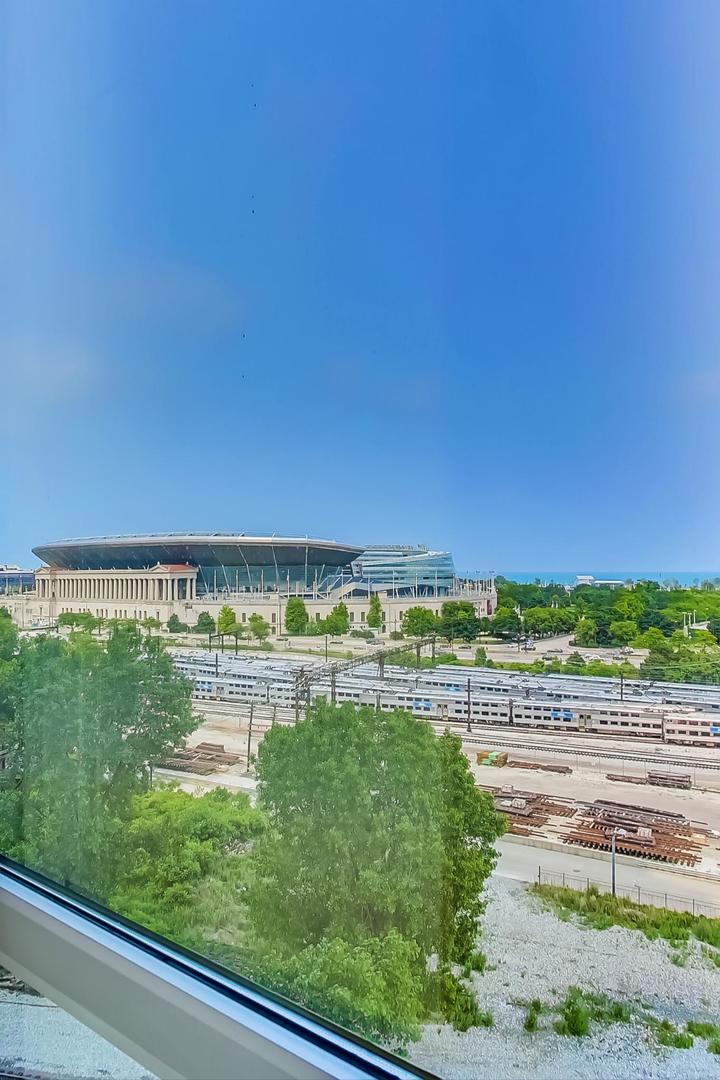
152	586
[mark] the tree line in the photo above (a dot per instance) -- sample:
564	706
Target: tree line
353	886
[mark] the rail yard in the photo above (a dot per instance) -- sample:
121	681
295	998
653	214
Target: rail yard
671	713
564	758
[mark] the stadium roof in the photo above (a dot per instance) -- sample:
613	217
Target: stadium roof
198	549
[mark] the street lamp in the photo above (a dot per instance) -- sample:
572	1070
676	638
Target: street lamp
617	831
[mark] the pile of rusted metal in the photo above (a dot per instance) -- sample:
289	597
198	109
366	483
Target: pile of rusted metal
655	779
203	759
639	830
528	811
516	763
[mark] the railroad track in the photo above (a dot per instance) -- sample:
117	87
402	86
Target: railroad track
265	715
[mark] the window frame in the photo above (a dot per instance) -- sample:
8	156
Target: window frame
174	1012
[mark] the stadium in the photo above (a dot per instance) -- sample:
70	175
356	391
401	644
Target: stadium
160	575
232	563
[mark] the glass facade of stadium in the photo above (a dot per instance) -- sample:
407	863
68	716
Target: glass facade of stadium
405	571
15	580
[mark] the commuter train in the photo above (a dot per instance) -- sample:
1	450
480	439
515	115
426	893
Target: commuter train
273	681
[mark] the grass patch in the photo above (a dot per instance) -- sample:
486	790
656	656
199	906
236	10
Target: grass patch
583	1007
668	1035
703	1029
711	955
574	1015
602	910
534	1009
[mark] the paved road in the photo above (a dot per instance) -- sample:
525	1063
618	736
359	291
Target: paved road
521	862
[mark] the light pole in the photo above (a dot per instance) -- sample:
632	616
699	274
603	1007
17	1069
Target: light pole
617	831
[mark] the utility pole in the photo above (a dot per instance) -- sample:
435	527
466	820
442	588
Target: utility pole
469	707
249	742
616	832
622	686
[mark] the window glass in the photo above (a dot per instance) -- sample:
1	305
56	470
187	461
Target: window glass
308	306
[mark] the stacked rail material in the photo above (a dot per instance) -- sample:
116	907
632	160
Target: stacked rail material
205	758
563	770
492	757
528	811
639	830
185	761
216	752
674	780
655	779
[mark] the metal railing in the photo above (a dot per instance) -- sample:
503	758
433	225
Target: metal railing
638	895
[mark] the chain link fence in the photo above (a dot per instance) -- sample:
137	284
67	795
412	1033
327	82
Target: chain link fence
630	892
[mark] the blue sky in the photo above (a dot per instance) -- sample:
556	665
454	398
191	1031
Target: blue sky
384	272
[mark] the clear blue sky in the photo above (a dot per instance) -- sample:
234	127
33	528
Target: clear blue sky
380	271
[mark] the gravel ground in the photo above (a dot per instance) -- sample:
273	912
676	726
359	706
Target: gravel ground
37	1036
538	955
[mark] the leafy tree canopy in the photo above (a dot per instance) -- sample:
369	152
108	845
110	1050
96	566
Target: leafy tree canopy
87	720
375	617
259	627
205	623
419	622
296	616
226	620
377	833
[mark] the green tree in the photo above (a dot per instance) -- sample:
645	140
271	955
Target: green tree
296	616
418	622
714	628
151	624
586	632
623	631
226	620
79	620
377	833
88	720
458	620
338	621
205	623
179	862
259	627
175	626
375	617
629	605
506	623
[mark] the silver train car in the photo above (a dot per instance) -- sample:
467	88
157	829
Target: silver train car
272	681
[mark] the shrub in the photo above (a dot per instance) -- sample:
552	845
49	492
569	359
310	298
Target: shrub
478	962
574	1015
532	1014
456	1002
